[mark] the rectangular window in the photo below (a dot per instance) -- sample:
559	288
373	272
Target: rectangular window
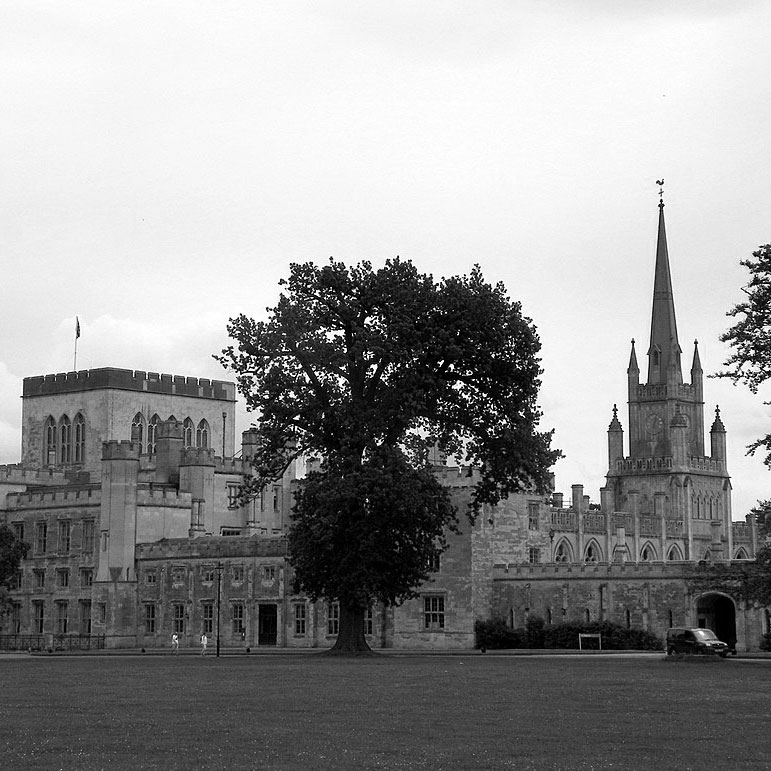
231	531
179	619
149	619
433	612
533	555
238	574
89	528
299	619
85	617
151	577
38	617
15	580
105	539
41	537
434	563
86	577
39	578
177	576
208	618
62	578
62	611
208	575
233	496
15	618
369	623
333	618
532	515
65	530
103	612
18	530
238	617
269	572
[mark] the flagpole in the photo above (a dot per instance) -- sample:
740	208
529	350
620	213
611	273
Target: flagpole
77	335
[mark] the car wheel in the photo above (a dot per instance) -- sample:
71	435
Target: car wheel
670	651
723	654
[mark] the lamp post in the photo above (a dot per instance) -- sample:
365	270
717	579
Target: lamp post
219	598
551	543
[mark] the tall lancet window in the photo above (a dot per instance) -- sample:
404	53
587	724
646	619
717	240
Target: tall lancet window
202	435
50	442
138	429
65	440
152	428
188	433
80	438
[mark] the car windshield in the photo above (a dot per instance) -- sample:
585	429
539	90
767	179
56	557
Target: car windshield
704	634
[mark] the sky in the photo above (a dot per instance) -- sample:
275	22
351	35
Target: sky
163	163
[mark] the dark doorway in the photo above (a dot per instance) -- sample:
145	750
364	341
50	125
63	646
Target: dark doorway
267	630
717	612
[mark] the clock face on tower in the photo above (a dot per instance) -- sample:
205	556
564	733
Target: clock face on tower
653	427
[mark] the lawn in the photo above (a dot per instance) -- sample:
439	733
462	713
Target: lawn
401	712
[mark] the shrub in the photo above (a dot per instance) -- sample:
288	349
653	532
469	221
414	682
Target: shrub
496	634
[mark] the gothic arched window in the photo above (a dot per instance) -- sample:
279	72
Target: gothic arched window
138	429
563	552
674	554
65	440
648	553
50	442
80	438
152	428
187	433
592	553
202	435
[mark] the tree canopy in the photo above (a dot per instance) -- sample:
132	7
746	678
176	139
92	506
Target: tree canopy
750	336
368	370
12	552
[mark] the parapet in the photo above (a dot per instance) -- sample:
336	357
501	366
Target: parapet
197	456
18	474
213	548
128	380
59	497
123	450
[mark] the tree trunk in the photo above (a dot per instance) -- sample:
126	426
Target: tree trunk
350	638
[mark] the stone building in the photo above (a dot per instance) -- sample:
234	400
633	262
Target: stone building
127	492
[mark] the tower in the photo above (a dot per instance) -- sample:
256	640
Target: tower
675	495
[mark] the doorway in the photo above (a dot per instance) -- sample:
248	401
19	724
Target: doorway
267	624
718	613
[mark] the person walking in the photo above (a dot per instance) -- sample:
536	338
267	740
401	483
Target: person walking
175	643
204	643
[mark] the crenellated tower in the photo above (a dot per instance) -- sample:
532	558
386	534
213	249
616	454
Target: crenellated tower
675	495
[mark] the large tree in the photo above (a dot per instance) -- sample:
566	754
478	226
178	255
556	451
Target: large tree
12	552
750	336
366	370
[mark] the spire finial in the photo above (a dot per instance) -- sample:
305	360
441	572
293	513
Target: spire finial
660	183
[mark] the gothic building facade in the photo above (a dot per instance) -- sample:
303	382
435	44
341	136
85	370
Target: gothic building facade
127	493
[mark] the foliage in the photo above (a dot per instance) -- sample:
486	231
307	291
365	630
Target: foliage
749	581
12	552
750	336
495	634
368	370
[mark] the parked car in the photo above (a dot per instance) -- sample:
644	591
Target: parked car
697	641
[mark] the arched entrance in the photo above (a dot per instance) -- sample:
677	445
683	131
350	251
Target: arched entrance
718	613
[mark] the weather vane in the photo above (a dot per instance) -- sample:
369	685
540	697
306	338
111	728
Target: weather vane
660	183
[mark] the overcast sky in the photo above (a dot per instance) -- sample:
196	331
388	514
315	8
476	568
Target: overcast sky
163	162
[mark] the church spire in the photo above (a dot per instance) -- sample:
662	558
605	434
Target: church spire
664	351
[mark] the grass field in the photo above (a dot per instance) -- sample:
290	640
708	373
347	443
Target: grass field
400	712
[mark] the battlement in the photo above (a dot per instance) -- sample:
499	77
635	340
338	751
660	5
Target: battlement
128	380
59	497
213	548
20	475
665	463
162	495
120	450
198	456
457	476
660	391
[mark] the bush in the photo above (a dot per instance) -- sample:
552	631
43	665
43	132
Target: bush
495	634
765	642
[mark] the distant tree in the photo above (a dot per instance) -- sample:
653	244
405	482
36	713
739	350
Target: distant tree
12	552
750	337
366	370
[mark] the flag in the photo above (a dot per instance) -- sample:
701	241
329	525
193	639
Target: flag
77	327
